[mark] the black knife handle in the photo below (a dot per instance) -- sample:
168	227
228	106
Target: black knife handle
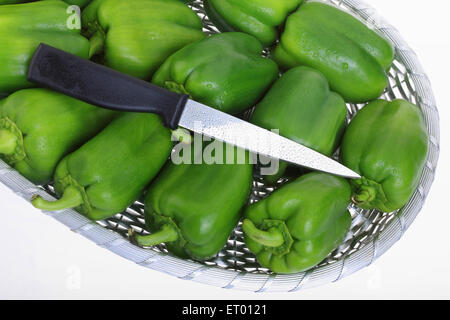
102	86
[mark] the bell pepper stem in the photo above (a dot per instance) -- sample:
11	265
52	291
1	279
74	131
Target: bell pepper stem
362	197
71	198
176	87
166	234
8	142
366	194
273	237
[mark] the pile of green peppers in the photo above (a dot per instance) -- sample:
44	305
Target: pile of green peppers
296	62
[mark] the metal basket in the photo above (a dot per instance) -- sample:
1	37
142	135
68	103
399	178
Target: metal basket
235	267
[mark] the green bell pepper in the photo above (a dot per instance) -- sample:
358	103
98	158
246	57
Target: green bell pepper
194	207
297	226
135	37
260	18
225	71
39	127
26	25
353	57
109	172
302	107
387	144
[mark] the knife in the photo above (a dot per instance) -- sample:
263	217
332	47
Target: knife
107	88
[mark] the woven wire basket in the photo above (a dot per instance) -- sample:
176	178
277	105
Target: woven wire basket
235	267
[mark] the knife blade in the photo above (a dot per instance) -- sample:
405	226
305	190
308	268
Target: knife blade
107	88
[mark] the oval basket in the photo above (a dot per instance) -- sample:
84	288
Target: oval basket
235	267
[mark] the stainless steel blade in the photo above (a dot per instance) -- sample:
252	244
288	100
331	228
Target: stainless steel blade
223	127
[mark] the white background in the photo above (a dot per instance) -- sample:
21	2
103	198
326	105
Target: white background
41	258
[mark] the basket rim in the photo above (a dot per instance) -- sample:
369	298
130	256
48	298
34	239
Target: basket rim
240	280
